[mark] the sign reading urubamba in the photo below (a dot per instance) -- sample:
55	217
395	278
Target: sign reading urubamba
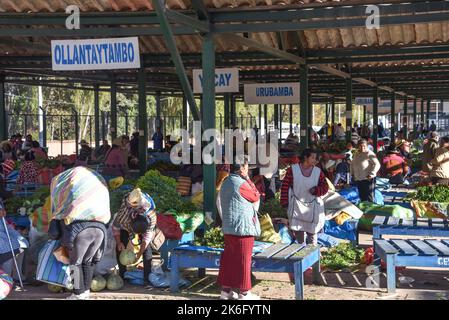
95	54
268	93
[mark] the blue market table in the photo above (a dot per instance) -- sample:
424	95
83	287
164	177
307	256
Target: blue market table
413	227
293	258
409	253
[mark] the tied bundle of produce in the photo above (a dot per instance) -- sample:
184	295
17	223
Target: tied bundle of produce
80	194
431	201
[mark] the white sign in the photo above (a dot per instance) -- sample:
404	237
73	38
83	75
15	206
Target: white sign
95	54
226	80
269	93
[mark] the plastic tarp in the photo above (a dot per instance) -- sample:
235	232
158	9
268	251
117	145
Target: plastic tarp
371	210
346	231
334	204
352	195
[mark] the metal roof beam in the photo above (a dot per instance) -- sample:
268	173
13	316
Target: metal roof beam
180	18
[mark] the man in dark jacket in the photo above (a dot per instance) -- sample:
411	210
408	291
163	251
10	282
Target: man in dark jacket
429	151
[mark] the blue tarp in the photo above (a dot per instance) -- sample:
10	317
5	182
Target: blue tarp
345	231
352	195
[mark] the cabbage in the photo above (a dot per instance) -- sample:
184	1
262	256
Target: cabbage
98	284
127	257
54	288
115	282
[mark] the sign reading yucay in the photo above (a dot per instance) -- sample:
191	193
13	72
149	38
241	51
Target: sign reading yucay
95	54
268	93
226	80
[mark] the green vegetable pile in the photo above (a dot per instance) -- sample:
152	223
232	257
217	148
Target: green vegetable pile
273	207
438	193
163	191
213	238
345	255
29	203
115	199
49	163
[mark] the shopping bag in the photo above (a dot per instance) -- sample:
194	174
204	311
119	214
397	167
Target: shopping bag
50	270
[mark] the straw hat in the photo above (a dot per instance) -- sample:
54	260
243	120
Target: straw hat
3	143
135	197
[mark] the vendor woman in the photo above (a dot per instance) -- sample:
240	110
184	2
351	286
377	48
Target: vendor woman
137	216
302	188
238	197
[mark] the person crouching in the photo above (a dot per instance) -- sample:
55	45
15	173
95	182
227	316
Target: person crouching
136	216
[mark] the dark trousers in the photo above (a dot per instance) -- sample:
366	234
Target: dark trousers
147	257
366	189
85	247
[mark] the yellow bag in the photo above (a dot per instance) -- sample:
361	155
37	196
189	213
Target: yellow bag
116	183
197	199
267	232
342	217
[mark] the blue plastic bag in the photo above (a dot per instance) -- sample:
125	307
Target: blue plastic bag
282	229
345	231
158	280
351	194
378	198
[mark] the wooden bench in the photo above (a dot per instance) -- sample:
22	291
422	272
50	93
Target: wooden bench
409	253
415	227
294	258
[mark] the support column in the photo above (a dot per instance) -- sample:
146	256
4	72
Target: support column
291	117
375	117
348	108
364	114
260	117
276	116
414	116
309	118
3	119
405	117
393	112
97	116
143	121
304	106
428	113
113	110
265	119
208	107
333	115
75	113
185	113
233	112
158	113
422	112
227	102
326	112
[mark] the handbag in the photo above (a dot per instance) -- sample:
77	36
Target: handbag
158	240
50	270
55	230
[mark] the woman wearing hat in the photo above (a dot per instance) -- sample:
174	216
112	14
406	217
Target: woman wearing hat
136	216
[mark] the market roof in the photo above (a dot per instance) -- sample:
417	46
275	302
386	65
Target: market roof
409	53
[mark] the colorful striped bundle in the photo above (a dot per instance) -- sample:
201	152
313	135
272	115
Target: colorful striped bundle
80	194
41	216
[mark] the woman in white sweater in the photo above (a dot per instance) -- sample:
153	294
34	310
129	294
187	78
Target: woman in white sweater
364	168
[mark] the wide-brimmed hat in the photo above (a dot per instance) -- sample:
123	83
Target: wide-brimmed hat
135	198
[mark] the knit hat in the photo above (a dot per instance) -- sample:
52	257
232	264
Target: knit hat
8	167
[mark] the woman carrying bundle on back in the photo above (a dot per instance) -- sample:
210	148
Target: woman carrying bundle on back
80	208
